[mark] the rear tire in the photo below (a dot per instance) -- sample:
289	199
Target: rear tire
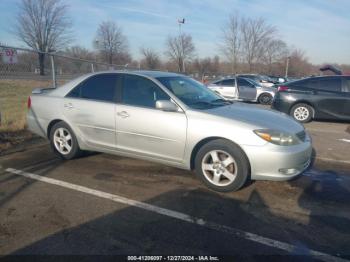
302	113
265	99
63	141
222	166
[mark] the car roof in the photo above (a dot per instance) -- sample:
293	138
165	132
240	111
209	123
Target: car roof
148	73
320	77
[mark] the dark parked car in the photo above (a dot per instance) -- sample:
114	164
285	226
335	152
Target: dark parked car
324	97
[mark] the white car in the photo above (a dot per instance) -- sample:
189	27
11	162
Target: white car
239	88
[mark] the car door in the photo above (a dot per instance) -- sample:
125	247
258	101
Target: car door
227	88
144	130
247	90
331	101
90	110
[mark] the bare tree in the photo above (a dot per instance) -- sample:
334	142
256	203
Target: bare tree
255	34
203	66
111	42
77	65
151	58
275	50
180	48
43	25
232	40
299	64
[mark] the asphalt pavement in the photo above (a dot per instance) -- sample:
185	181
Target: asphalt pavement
101	204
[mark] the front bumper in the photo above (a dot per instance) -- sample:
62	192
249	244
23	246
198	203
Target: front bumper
278	163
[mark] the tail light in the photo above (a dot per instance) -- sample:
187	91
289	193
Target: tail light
29	102
282	88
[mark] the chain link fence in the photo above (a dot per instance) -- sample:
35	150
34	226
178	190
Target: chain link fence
20	74
23	64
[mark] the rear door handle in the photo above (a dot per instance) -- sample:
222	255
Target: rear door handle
69	105
123	114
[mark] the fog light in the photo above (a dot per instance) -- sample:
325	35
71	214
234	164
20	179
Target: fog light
288	171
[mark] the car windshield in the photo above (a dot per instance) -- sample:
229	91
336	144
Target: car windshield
192	93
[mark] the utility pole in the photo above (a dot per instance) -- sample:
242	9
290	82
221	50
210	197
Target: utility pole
182	22
287	66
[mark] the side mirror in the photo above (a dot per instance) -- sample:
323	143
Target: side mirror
166	105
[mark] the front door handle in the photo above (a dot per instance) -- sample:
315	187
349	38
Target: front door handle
123	114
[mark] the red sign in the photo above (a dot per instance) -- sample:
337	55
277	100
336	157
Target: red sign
9	56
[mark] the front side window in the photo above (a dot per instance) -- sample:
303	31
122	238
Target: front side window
192	93
140	91
99	87
243	82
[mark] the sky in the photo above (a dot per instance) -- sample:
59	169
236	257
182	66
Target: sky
321	28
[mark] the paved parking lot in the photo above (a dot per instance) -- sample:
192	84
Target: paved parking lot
103	204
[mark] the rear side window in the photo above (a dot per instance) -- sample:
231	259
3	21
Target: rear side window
330	84
347	84
228	82
98	87
313	83
217	83
140	91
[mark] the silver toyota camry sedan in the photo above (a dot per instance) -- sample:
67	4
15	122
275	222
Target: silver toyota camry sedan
171	119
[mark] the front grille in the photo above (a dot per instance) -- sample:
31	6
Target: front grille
301	135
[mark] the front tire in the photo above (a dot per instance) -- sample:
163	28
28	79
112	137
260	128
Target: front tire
265	99
63	141
222	166
302	113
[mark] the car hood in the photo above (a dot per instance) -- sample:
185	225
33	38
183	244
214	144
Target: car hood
257	117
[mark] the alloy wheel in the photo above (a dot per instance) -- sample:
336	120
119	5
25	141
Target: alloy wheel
301	113
63	141
219	168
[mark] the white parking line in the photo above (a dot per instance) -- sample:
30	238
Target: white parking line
344	140
181	216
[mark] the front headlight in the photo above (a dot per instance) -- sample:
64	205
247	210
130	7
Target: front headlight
278	137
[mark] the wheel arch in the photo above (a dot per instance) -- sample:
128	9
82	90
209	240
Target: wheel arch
206	140
51	124
303	102
265	93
